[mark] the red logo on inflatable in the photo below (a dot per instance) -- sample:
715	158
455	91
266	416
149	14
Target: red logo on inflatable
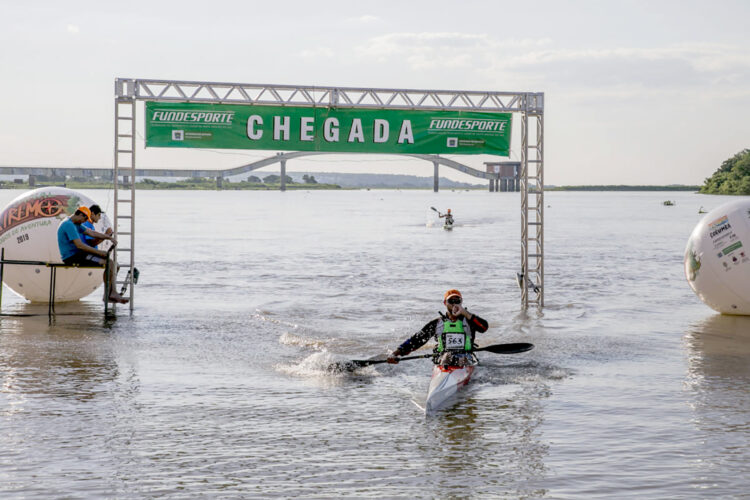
26	210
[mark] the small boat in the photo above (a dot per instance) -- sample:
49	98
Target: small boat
669	203
445	382
448	227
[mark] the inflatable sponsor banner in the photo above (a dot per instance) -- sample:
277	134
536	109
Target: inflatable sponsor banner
28	232
345	130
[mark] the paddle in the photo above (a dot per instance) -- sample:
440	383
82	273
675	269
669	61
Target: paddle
495	349
435	209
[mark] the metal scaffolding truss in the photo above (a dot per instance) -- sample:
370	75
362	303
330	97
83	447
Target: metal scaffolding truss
530	105
349	97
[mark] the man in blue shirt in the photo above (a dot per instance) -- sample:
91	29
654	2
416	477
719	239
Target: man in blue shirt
74	251
88	224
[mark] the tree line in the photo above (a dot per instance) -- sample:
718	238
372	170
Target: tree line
732	177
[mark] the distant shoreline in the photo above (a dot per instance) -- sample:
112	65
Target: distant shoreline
321	187
622	187
206	184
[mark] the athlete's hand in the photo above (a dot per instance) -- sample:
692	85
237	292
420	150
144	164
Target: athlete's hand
458	310
393	357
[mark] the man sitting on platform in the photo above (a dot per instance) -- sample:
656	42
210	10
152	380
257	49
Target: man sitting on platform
74	251
94	214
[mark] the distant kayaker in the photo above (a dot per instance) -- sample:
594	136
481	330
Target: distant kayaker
448	217
454	332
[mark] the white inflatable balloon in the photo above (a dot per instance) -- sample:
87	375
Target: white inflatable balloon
28	231
717	258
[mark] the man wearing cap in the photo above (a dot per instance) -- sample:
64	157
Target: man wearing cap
454	332
74	251
94	213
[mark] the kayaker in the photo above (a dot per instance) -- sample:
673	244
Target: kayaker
448	217
454	332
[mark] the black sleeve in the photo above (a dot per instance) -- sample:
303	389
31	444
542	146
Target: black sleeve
418	339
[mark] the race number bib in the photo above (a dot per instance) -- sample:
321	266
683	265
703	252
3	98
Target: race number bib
454	340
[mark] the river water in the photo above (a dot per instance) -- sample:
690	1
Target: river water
216	385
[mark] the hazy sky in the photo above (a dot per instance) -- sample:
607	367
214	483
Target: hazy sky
637	92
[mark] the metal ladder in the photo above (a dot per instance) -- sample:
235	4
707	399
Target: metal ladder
531	277
124	183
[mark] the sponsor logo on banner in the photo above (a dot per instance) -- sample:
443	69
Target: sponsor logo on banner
41	207
192	117
719	228
477	125
731	248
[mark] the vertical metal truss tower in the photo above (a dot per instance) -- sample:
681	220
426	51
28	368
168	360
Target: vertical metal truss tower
529	105
532	203
124	184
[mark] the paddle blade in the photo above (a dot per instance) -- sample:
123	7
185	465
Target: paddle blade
350	366
507	348
435	209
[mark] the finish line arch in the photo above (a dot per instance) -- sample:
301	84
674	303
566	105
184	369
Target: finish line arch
413	122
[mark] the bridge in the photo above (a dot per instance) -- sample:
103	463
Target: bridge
501	176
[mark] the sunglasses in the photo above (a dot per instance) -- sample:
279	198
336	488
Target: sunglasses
454	300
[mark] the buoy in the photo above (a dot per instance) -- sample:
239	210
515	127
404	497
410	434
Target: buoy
28	231
717	258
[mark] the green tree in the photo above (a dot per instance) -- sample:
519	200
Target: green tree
254	179
276	179
732	177
309	179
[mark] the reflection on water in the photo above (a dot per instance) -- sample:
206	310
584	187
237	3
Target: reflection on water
65	402
490	438
719	369
719	377
720	349
61	359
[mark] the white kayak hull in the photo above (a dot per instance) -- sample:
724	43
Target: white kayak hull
448	227
445	383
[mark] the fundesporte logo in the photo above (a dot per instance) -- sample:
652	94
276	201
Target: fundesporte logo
176	117
486	125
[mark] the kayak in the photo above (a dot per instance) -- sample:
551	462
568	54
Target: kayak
445	383
448	227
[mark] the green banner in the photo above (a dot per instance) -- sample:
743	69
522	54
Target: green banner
345	130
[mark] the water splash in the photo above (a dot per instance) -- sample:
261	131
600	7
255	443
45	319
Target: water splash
321	365
288	338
